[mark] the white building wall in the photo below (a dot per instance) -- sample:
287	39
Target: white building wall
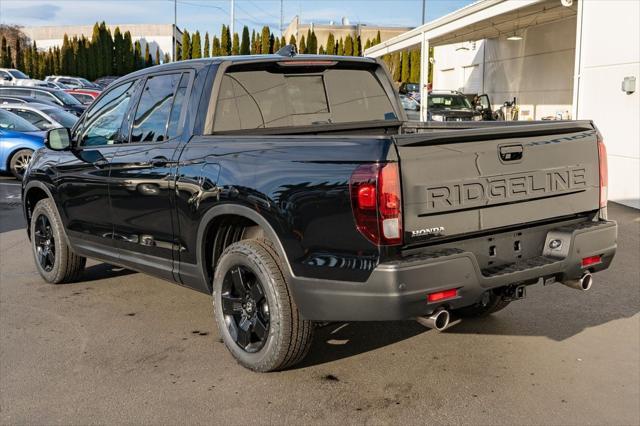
608	52
537	70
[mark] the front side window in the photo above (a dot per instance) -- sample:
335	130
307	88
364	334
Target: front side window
11	121
18	74
36	119
154	108
103	121
257	99
45	96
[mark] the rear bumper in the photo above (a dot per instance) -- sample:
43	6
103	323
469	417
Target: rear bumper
398	290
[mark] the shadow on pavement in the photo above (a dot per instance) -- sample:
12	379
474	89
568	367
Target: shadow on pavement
103	271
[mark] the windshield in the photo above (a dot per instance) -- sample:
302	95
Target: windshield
11	121
18	74
448	102
63	117
412	87
66	98
256	99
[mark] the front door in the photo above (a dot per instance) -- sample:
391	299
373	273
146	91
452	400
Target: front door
143	172
82	174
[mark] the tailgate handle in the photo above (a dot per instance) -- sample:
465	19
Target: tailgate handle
511	152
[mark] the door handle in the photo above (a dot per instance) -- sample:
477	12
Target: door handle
102	162
159	161
511	152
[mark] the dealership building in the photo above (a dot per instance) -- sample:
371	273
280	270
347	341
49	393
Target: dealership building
155	35
576	59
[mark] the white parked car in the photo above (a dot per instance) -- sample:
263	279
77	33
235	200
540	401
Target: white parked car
14	77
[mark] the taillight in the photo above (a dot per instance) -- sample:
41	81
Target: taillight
604	172
591	260
377	202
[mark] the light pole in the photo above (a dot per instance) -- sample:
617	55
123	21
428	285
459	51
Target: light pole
424	6
233	18
173	32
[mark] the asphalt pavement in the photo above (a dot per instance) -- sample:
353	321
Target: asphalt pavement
122	347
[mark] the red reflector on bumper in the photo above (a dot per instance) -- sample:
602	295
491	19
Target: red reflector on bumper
442	295
591	260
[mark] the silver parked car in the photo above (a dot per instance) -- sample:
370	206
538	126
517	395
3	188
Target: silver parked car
43	116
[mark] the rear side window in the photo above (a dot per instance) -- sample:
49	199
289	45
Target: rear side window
275	98
152	115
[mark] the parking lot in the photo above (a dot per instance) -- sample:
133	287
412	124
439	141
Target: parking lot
121	347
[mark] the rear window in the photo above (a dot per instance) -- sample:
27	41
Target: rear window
256	99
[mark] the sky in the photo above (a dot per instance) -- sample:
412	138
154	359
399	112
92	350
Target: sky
209	15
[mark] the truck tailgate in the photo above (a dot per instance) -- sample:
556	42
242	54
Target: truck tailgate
456	182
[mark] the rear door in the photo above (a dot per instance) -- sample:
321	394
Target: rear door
457	182
143	172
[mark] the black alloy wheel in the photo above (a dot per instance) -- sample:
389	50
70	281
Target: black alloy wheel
245	308
45	243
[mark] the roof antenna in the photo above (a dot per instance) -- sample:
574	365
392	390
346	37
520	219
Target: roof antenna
289	50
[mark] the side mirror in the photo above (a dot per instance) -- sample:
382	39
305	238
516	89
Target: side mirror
58	139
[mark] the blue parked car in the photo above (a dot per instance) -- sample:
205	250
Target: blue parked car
18	140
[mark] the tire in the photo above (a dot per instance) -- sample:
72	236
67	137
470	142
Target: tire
489	304
19	162
54	259
277	336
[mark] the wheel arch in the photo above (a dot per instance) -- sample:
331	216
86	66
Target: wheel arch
33	192
246	218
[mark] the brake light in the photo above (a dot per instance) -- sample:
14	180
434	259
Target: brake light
442	295
591	260
377	202
604	172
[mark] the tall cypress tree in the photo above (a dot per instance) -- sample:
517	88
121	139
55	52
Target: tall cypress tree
264	40
340	51
4	60
96	53
27	65
157	55
137	56
348	45
107	49
206	52
331	44
303	45
415	66
215	46
283	41
225	43
245	45
18	53
276	44
118	52
292	40
312	43
406	67
357	49
66	54
147	56
128	54
186	45
196	46
235	45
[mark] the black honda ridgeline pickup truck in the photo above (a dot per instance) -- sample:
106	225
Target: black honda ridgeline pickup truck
292	189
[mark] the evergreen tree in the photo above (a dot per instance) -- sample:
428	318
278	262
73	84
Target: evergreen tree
18	54
321	50
253	42
348	45
11	63
245	42
148	61
396	66
272	43
303	45
167	58
138	60
215	46
186	45
157	55
206	52
66	56
357	49
26	67
107	49
5	61
196	46
118	52
276	45
283	41
265	40
235	45
312	43
225	41
331	44
128	54
245	46
292	40
340	51
96	53
377	40
367	44
406	68
415	66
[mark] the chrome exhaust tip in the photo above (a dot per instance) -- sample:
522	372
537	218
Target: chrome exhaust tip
439	320
582	284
